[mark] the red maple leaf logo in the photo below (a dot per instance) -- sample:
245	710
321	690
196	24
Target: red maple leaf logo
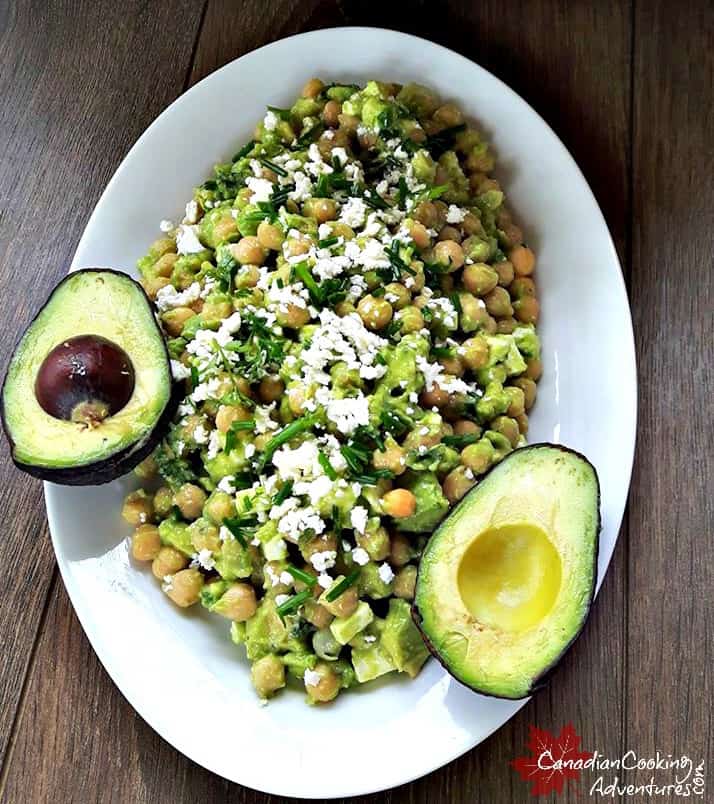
551	760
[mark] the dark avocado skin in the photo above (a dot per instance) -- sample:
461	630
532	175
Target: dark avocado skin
118	464
539	681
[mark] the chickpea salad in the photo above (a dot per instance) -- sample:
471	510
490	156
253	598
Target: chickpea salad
350	309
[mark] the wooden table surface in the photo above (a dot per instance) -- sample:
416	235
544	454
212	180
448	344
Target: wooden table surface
628	86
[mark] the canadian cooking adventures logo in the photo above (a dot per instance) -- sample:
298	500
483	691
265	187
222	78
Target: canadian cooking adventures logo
553	761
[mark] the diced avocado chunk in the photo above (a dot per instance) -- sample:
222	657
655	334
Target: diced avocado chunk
458	192
177	535
418	99
372	662
211	593
372	108
238	633
527	341
297	662
431	505
265	632
371	584
346	628
424	166
402	640
233	561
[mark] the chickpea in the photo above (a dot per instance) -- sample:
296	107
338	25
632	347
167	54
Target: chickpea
393	458
185	587
138	508
219	506
163	501
410	319
293	317
190	500
517	404
248	251
227	414
506	325
345	604
270	236
312	88
505	272
167	562
436	397
534	369
270	389
471	224
173	320
398	503
449	254
426	213
204	536
523	260
400	550
466	427
267	675
147	469
296	399
344	308
480	278
527	309
397	295
321	209
507	427
449	115
376	313
522	287
474	352
529	388
419	234
152	285
452	365
331	113
348	122
327	687
450	233
405	582
238	602
498	302
145	543
164	266
247	276
214	310
316	614
477	457
522	420
457	483
225	228
297	246
511	235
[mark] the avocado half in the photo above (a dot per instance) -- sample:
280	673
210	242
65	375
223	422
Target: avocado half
88	392
506	582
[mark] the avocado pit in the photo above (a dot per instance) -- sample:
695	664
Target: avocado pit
85	379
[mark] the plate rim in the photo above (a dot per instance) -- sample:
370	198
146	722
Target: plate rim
629	358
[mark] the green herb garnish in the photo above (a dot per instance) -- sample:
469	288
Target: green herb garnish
301	575
293	604
327	467
244	151
341	587
284	492
232	433
460	441
283	436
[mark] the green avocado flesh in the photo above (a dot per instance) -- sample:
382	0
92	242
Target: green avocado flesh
505	583
113	307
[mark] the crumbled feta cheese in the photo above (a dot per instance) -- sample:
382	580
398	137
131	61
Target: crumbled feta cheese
455	214
262	189
354	212
280	599
168	583
360	556
168	297
200	434
203	558
187	241
325	580
385	573
227	483
270	121
166	226
358	518
311	678
191	212
323	560
348	413
179	371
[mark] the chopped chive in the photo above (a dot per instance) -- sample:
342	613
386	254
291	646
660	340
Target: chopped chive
306	137
284	492
301	575
234	525
244	151
293	604
272	166
372	478
232	434
285	435
328	241
441	351
336	519
402	191
324	462
456	301
283	114
194	378
302	271
342	586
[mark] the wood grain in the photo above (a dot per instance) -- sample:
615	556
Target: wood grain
671	626
108	753
74	96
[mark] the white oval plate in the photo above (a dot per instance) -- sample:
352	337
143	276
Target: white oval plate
180	670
